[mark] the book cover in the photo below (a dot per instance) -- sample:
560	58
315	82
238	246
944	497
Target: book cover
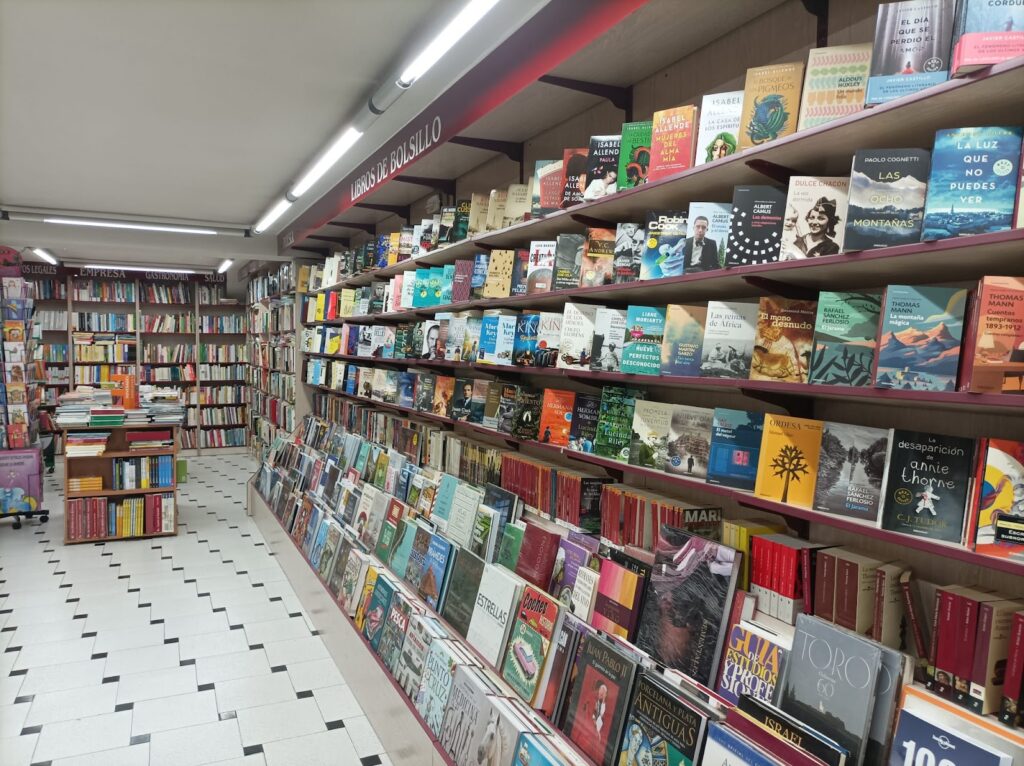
834	84
463	399
684	337
431	697
630	246
547	187
477	222
729	332
556	417
837	698
662	725
617	604
1000	501
599	699
376	610
507	396
927	482
396	625
686	608
634	154
845	333
540	271
602	167
719	132
709	223
520	271
788	728
887	193
995	360
973	183
434	574
598	258
727	747
524	347
609	339
574	176
672	141
689	441
463	585
666	238
511	544
784	339
568	261
645	330
577	337
498	283
583	426
615	422
549	334
496	601
537	555
815	217
918	739
756	228
788	464
517	204
986	33
422	632
444	395
526	413
850	470
568	562
912	48
751	665
735	448
648	446
771	102
468	709
919	347
536	620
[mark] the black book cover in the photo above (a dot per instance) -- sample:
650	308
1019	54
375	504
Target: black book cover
526	417
927	484
887	194
795	732
583	428
462	399
507	407
851	467
520	271
661	723
568	259
757	230
460	596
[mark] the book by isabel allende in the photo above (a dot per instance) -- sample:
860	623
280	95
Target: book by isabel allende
845	333
719	133
834	84
634	154
994	362
771	102
547	187
850	470
574	176
672	141
684	336
784	340
602	167
662	723
788	464
913	39
756	230
887	193
645	330
735	448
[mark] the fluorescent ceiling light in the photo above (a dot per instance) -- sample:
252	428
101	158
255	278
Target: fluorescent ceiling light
45	255
224	266
271	215
445	40
137	268
134	226
341	145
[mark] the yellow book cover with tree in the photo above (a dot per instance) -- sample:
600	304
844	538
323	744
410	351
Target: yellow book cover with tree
788	465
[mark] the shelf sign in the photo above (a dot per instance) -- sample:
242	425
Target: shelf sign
103	273
407	150
34	269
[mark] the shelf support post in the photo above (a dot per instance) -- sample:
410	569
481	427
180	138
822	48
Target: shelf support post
819	9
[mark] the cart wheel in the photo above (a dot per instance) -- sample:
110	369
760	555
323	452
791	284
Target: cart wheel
44	518
17	523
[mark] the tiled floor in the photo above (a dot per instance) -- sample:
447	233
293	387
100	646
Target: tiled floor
169	652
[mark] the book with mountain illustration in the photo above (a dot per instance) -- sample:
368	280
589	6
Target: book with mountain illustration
784	340
845	333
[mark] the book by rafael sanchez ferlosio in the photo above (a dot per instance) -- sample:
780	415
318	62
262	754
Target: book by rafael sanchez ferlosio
735	448
834	84
887	193
684	335
927	484
986	33
850	470
661	722
784	340
496	601
672	141
756	232
788	464
994	361
912	46
729	333
845	333
771	103
634	154
719	130
645	329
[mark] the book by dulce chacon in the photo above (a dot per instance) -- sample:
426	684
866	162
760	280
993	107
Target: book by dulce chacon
815	217
887	192
912	46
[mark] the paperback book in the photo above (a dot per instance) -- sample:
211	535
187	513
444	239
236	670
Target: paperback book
609	339
1000	500
540	271
912	48
602	167
583	427
784	340
630	246
729	332
735	448
672	141
834	84
645	330
845	333
788	464
986	33
568	261
666	237
771	102
887	193
634	154
683	339
598	258
574	176
851	468
815	217
755	234
615	422
547	187
719	130
577	339
995	363
709	224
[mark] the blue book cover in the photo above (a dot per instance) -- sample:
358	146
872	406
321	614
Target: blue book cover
735	447
531	750
488	337
376	611
407	389
401	547
421	282
444	497
524	346
918	741
476	282
973	183
666	238
350	379
434	575
447	280
645	329
435	280
727	747
381	252
684	338
913	39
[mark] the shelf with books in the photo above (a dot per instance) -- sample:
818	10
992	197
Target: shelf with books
119	492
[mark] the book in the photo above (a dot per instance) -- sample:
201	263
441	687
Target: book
464	583
524	347
985	33
615	422
617	604
598	261
851	468
729	331
645	329
584	593
719	130
496	601
568	261
709	224
602	167
751	664
845	332
927	483
537	555
520	271
815	208
727	747
577	339
609	339
835	697
684	336
599	699
630	246
999	500
756	229
788	464
994	361
547	187
919	740
556	417
672	141
790	729
498	283
511	544
634	154
887	193
919	346
468	710
541	268
434	574
477	222
784	339
422	632
834	84
771	102
666	237
431	698
912	48
517	205
574	176
526	413
583	426
735	448
973	183
689	441
691	586
570	559
537	619
648	447
377	609
660	722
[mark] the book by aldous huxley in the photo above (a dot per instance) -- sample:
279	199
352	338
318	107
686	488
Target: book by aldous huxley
834	84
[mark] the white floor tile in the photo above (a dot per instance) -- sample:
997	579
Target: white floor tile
281	720
12	719
314	675
10	687
225	667
363	737
55	678
46	632
239	614
134	755
71	703
254	691
212	644
17	751
195	624
124	662
195	745
181	607
337	703
37	615
173	712
134	638
325	748
276	630
85	735
156	683
256	759
54	653
296	650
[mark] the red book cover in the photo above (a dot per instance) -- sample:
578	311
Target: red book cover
825	586
672	141
1014	672
994	361
332	306
946	646
462	281
574	176
555	417
537	555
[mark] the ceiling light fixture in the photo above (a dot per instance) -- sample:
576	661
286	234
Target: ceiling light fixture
138	268
327	160
45	255
224	266
445	40
271	215
134	226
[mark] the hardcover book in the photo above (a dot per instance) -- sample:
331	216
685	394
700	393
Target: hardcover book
719	132
666	238
540	271
790	729
536	622
583	426
918	739
617	604
815	217
615	422
995	361
850	471
574	176
1000	501
434	575
609	339
376	610
834	84
467	711
727	747
973	183
735	448
598	258
845	332
771	102
537	555
556	417
729	332
986	33
672	141
704	249
684	336
887	192
496	601
464	583
630	246
602	167
577	339
568	562
912	48
751	665
662	724
645	330
634	154
689	441
568	261
788	464
547	187
431	697
756	229
784	340
927	483
920	338
422	632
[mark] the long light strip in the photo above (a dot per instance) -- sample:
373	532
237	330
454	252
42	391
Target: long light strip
224	266
133	226
271	215
327	160
119	267
445	40
45	255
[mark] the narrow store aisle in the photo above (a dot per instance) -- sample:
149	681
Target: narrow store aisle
170	652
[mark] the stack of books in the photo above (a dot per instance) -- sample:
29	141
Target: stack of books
86	444
74	408
86	484
150	439
106	416
162	405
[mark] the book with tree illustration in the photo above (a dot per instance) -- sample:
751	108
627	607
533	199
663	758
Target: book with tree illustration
845	333
788	464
